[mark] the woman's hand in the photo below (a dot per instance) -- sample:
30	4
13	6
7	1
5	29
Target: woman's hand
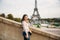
30	31
27	36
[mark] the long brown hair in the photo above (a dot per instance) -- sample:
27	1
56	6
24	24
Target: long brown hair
23	17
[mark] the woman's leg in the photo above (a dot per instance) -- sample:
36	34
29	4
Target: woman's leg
25	38
24	35
28	38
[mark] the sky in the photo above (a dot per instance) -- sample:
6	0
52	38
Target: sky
46	8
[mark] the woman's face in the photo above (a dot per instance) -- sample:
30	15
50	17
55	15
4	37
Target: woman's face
26	17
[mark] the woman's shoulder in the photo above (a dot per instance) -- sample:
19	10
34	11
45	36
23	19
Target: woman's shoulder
23	22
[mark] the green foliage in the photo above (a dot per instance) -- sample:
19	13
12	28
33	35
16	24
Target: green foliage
17	19
56	19
10	16
37	25
56	24
2	15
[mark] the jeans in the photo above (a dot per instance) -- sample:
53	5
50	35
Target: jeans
24	35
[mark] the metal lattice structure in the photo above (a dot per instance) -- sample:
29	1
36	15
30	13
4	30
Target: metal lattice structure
35	19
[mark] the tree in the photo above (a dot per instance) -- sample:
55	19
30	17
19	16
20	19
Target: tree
2	15
10	16
17	19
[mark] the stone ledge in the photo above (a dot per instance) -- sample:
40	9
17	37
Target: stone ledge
36	30
41	32
10	22
0	19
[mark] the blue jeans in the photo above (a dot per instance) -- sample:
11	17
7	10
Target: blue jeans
24	35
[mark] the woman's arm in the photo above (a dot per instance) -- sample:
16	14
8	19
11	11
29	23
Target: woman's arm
29	29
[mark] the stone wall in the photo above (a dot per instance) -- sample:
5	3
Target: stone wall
11	30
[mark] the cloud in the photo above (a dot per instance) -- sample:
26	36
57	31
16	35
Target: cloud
47	8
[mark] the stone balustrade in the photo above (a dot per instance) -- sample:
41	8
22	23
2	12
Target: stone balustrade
11	30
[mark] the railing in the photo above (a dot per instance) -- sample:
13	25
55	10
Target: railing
11	30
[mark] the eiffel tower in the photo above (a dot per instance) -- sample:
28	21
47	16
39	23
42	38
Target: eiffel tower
35	19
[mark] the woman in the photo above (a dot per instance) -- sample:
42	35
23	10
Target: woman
26	31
